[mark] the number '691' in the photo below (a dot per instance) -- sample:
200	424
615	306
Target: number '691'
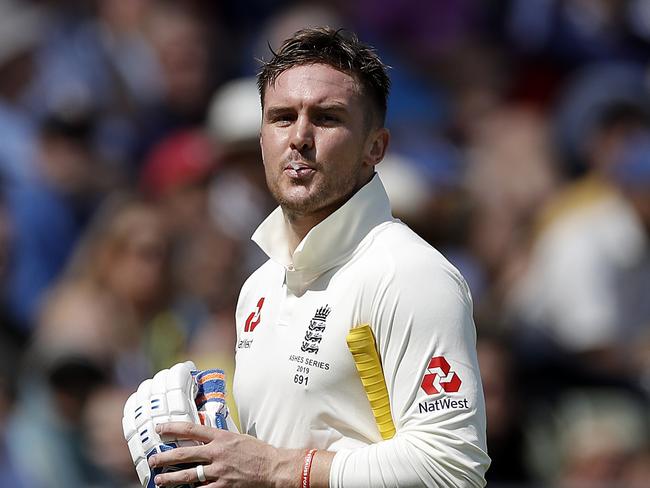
300	379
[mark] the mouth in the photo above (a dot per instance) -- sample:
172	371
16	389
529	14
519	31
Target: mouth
298	170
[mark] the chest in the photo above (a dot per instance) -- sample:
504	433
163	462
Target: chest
283	329
294	347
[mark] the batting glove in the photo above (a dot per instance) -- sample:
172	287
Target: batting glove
178	394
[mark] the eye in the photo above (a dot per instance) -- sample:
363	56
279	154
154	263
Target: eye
328	119
284	118
280	118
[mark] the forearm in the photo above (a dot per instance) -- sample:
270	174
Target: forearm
287	470
414	459
320	470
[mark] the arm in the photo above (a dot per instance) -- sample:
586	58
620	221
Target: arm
426	338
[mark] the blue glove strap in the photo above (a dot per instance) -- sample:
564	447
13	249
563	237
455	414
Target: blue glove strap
211	389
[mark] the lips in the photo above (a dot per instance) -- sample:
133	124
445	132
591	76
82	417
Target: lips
298	170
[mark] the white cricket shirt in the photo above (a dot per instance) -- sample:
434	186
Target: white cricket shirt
296	384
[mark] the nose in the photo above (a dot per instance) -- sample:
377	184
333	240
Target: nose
302	135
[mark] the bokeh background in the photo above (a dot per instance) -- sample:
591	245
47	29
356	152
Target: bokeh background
131	181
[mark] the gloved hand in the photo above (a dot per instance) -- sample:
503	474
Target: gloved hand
179	394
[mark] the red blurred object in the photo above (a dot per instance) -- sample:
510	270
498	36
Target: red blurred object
179	160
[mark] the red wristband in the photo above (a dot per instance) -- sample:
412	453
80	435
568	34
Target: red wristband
306	468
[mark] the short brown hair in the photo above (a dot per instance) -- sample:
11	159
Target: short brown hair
344	52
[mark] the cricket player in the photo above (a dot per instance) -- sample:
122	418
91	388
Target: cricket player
338	260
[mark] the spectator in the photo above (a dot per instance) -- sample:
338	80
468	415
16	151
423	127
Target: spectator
584	421
51	211
511	172
176	175
99	54
591	240
44	435
21	26
188	52
115	294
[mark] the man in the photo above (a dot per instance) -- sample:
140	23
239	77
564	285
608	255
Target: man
339	260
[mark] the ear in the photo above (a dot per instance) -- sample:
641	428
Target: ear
376	146
261	145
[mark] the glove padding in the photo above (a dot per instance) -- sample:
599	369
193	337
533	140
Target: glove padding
179	394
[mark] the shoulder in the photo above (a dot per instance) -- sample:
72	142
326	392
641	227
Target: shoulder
255	289
414	294
409	262
267	274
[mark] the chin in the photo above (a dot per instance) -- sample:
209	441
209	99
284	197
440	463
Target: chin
295	197
301	205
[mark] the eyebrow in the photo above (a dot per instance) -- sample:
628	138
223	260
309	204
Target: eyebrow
331	107
271	112
278	110
340	107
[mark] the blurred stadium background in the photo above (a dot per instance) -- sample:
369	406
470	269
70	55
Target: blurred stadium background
131	181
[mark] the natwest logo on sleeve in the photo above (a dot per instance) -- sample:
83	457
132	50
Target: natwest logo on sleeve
255	317
440	377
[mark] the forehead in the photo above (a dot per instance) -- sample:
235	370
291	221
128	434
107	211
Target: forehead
312	84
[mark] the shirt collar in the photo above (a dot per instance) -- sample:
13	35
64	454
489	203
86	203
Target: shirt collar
333	239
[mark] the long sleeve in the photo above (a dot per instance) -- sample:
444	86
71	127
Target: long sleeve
422	320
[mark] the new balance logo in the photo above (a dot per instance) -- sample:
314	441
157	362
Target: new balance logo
439	377
255	317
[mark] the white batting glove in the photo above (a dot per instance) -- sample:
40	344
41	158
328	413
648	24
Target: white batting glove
179	394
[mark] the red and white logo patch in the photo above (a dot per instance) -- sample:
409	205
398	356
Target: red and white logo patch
439	377
255	317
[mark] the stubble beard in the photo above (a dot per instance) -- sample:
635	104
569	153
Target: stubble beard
295	206
319	196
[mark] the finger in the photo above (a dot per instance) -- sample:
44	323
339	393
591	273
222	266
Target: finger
179	455
187	430
183	477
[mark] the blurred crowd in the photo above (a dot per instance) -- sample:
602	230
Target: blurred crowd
131	181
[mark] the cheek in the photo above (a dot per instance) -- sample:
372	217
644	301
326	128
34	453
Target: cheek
272	143
328	147
342	153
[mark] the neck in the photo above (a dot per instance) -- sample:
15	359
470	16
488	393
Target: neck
301	224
